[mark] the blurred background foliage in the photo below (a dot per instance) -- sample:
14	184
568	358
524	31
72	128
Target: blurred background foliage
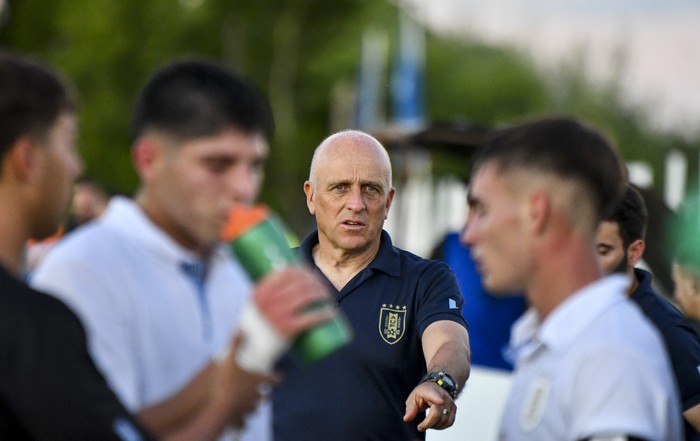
304	56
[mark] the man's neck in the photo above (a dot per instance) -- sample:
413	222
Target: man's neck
340	266
13	241
564	269
634	283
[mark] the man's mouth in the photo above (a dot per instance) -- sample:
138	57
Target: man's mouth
352	223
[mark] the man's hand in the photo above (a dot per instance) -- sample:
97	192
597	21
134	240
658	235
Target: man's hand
229	393
236	389
284	296
279	311
442	407
446	349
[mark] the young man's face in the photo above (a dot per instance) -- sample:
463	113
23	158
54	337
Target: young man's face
59	166
496	231
87	203
612	254
191	187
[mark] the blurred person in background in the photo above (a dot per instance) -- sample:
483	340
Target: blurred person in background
89	201
489	317
684	234
160	295
588	365
687	291
380	385
50	388
620	243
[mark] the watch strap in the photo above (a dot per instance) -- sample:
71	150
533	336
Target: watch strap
444	380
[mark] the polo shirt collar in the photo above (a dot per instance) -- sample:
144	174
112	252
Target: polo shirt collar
644	281
387	259
568	320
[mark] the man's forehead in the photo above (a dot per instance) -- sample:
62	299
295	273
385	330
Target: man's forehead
609	226
485	176
353	163
349	174
232	144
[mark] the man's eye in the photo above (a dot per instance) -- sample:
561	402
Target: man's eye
477	211
218	166
258	166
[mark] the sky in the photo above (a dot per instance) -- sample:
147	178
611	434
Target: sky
661	39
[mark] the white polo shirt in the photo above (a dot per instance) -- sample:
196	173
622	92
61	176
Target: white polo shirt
595	366
151	324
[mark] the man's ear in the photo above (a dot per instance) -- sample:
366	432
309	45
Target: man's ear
539	210
390	198
635	252
22	159
310	197
144	153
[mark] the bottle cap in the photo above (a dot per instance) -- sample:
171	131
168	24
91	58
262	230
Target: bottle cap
241	219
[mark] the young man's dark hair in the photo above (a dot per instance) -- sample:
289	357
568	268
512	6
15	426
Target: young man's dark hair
31	98
631	216
192	99
564	147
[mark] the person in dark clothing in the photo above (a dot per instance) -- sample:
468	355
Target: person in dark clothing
49	387
410	351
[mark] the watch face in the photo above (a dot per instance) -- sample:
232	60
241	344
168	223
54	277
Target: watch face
448	381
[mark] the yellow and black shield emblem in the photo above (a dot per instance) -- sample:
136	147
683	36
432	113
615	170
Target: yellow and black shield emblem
392	323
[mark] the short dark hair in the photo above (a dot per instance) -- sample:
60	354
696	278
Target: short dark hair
32	97
195	98
631	216
564	147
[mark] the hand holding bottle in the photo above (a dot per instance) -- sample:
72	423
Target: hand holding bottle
289	303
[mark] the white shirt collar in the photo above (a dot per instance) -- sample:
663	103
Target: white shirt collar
569	318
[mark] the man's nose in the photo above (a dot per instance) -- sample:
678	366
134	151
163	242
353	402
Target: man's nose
356	200
467	235
243	185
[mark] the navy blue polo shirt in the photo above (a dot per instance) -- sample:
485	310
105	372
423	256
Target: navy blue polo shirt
359	391
681	342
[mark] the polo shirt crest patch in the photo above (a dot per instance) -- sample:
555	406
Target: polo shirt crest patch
392	322
534	404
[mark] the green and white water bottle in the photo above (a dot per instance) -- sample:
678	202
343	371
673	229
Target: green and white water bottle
257	239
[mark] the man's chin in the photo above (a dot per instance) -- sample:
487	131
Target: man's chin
47	231
355	245
498	290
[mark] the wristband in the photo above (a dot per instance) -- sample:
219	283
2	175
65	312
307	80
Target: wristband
262	345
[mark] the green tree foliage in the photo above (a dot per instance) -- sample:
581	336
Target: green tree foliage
298	53
486	85
293	50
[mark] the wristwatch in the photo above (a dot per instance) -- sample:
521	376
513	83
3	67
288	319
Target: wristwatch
443	380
